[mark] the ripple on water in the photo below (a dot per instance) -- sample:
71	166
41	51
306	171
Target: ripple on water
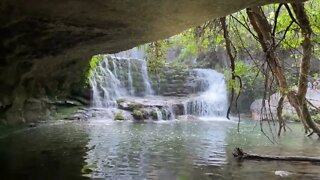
177	150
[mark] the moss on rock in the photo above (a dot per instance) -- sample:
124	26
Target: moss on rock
121	100
154	114
119	116
140	114
135	106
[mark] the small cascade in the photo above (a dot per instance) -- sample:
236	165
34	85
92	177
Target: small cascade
115	69
145	78
212	99
159	114
171	113
131	90
167	112
185	107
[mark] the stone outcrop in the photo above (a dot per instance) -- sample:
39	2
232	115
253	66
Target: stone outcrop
289	113
153	108
172	81
45	45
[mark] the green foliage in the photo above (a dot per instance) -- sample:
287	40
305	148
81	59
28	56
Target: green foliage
251	78
313	9
191	43
187	41
316	118
156	55
92	65
197	40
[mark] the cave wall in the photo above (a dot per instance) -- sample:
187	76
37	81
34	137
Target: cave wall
45	45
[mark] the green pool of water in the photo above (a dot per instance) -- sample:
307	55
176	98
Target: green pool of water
177	150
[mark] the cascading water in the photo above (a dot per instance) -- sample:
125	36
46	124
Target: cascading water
113	78
131	90
145	78
116	77
212	101
105	85
159	115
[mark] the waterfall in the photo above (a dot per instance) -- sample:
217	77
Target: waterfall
131	90
170	109
146	79
115	68
113	78
105	85
212	99
159	114
116	77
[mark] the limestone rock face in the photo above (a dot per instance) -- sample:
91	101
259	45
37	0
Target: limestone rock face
313	96
45	45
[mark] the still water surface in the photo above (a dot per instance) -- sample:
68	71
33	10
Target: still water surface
169	150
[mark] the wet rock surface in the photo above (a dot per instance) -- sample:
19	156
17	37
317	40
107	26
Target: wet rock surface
154	107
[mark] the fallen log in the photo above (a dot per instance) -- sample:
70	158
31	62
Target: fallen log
239	154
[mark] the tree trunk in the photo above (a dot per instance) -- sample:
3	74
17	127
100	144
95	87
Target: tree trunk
306	30
264	32
239	154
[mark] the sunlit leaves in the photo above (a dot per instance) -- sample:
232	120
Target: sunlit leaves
92	65
156	55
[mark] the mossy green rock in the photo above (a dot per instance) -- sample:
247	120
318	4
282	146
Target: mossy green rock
119	116
154	114
135	106
121	100
140	114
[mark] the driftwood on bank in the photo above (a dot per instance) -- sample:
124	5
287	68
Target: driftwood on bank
239	154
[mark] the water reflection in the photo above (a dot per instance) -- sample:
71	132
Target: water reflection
52	151
155	150
192	150
183	150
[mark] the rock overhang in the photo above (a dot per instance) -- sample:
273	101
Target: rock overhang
46	45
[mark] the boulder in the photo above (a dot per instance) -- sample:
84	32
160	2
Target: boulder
140	114
119	116
129	105
313	95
